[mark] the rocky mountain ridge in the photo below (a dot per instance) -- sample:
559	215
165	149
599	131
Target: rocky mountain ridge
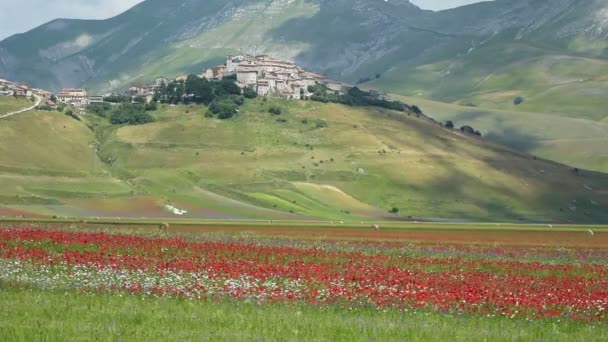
349	40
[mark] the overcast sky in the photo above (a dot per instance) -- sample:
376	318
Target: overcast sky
18	16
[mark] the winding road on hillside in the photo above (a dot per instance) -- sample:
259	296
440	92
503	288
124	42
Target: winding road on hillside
38	100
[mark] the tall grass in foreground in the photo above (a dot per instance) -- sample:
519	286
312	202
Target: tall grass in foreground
36	315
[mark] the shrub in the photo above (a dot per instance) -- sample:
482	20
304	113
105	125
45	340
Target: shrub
73	115
275	110
321	123
518	100
117	99
449	124
45	107
100	109
131	114
394	210
151	106
139	99
224	107
250	93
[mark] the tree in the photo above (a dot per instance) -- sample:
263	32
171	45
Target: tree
394	210
53	98
224	107
131	114
117	99
449	124
199	89
467	130
230	87
139	99
250	93
150	106
416	110
518	100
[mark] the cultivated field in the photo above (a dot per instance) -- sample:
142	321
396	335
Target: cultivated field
302	281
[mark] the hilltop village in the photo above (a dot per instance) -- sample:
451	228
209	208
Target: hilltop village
263	74
268	75
222	88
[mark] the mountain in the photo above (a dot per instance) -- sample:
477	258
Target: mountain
314	161
168	37
349	39
552	53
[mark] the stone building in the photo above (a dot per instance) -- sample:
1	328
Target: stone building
268	75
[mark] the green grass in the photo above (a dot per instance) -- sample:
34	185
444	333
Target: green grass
576	142
9	104
183	150
365	162
562	118
560	83
29	315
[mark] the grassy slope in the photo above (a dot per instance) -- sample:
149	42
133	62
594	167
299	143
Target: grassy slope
568	89
576	142
235	168
47	156
562	83
56	316
426	171
9	104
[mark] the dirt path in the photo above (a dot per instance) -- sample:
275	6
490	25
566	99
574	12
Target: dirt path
38	100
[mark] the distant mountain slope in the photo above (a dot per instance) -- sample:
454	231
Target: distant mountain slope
178	36
552	53
349	39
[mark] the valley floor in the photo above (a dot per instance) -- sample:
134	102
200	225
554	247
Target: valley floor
29	315
281	282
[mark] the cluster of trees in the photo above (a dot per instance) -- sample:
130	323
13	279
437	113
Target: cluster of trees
130	114
100	109
223	97
225	107
117	99
357	97
464	129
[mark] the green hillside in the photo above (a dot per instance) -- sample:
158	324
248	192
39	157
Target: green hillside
9	104
313	161
560	83
576	142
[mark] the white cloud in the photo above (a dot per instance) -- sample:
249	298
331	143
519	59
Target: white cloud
23	15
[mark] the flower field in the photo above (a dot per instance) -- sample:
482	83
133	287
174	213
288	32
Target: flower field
477	278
